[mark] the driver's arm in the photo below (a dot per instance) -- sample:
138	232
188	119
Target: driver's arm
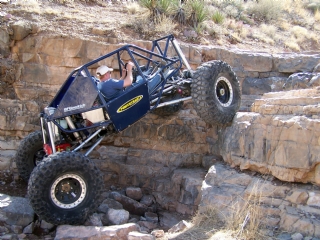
123	74
128	78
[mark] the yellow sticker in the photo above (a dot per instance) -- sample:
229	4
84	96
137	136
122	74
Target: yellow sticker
129	104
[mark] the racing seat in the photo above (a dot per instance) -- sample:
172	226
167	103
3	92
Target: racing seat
153	82
152	75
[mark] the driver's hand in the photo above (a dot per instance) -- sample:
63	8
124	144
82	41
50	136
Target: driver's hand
130	65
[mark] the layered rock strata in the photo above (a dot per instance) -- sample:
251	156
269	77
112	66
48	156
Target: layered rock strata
279	137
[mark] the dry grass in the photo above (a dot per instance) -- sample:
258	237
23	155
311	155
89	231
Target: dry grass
269	30
164	25
246	217
52	11
317	16
244	33
29	6
299	32
243	221
267	10
205	225
292	44
133	8
284	26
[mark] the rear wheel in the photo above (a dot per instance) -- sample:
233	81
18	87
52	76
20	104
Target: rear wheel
216	92
65	188
29	153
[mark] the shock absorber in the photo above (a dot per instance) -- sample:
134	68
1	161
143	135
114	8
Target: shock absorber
71	126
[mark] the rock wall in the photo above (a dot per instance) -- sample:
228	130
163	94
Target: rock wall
279	137
38	65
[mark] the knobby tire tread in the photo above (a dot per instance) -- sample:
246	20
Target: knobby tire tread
205	103
44	175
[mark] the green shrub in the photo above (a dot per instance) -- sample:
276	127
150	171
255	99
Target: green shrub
313	5
149	4
160	7
197	11
218	17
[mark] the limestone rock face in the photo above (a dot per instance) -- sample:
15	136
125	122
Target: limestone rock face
276	204
279	137
288	63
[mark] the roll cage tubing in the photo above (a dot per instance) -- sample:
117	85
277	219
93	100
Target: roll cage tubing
130	48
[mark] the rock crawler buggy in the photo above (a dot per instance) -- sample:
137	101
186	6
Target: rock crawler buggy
64	184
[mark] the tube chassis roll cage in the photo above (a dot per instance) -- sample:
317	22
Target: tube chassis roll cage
80	83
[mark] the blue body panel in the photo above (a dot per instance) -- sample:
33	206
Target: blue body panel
129	107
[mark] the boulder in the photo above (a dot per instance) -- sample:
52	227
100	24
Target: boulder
117	232
109	203
131	205
94	220
302	80
15	211
117	216
140	236
21	29
134	193
147	200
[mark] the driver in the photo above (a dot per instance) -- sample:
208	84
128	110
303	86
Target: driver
110	87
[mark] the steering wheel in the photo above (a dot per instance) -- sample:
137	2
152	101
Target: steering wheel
134	72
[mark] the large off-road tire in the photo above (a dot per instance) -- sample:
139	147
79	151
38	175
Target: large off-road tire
215	92
29	153
65	188
169	109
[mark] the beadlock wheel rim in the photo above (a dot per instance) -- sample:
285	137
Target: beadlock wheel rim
68	191
223	91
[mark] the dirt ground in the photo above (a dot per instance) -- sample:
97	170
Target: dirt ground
97	21
11	186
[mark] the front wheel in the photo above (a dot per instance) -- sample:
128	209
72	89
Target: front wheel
65	188
216	92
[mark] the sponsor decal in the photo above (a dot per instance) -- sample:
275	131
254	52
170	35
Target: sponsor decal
129	104
68	109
